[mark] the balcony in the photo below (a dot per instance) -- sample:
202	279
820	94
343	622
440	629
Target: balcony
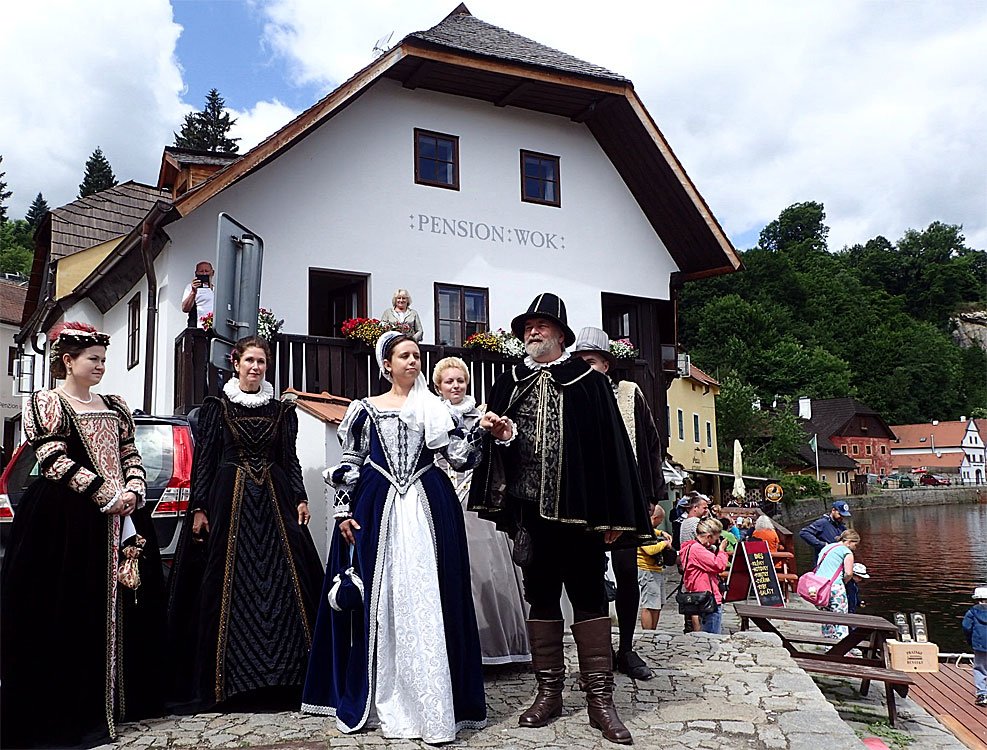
346	368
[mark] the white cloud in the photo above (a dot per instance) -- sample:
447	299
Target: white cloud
81	75
875	109
256	124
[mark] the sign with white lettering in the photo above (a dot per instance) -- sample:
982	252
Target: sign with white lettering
752	567
500	234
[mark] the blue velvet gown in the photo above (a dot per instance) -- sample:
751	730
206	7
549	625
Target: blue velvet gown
408	659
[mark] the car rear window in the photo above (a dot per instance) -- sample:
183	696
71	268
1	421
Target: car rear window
157	448
154	441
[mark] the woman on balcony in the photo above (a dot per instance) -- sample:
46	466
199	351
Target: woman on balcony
496	582
246	574
79	650
401	315
396	642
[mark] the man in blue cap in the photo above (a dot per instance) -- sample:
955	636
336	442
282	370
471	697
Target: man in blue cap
827	529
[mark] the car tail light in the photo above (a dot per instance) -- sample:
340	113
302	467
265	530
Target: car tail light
175	497
6	509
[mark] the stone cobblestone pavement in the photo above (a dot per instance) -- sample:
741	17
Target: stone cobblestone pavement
741	691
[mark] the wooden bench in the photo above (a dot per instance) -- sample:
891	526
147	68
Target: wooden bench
894	681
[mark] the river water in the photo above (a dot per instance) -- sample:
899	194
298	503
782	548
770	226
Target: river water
925	559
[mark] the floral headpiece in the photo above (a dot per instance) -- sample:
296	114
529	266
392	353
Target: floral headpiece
66	334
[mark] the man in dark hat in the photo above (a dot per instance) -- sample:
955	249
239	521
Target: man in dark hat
564	483
593	347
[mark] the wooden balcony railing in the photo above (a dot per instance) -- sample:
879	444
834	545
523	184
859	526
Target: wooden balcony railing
343	367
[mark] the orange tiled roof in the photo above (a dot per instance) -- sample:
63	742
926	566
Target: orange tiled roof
929	460
322	406
947	434
696	374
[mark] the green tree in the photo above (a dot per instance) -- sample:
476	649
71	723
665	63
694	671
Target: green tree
799	227
770	437
16	250
36	213
4	195
209	129
99	175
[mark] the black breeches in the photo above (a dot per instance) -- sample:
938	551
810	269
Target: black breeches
628	594
565	555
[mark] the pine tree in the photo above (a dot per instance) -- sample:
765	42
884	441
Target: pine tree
208	130
4	195
37	211
99	175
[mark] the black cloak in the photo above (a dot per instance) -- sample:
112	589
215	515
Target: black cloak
599	488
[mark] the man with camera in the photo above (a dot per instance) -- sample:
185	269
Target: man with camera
198	298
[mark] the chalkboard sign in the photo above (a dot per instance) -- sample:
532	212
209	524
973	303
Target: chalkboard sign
752	566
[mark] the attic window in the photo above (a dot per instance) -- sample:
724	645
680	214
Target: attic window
922	440
540	182
436	159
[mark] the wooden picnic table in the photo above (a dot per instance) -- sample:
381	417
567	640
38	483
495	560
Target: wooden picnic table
867	632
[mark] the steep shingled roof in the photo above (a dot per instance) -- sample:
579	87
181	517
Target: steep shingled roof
196	156
92	220
465	32
831	415
12	296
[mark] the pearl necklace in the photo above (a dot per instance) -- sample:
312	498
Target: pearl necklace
76	398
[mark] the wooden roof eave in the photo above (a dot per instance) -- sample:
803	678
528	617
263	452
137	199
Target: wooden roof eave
435	53
287	136
731	256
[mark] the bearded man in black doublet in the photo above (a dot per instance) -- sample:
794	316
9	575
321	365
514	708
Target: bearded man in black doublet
567	476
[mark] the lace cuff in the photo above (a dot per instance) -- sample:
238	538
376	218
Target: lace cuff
113	501
511	438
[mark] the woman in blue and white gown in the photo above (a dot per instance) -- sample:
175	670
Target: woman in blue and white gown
408	657
498	593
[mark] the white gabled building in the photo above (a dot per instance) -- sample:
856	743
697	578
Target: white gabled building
470	165
954	448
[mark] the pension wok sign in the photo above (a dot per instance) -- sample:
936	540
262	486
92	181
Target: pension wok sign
501	234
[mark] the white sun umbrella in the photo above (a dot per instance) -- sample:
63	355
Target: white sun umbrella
739	490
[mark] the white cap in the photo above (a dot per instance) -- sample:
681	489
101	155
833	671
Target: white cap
859	569
980	592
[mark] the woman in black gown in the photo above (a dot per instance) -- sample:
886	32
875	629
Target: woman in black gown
79	651
247	576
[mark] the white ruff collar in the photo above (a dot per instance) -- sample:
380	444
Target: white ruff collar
532	365
465	406
252	400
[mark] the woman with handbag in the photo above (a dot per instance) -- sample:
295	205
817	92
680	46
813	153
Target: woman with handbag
833	559
79	650
406	657
703	559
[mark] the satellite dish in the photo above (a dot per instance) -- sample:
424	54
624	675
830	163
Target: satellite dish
382	45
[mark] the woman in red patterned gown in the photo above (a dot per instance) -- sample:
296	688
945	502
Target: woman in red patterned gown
73	659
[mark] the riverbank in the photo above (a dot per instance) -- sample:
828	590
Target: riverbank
794	515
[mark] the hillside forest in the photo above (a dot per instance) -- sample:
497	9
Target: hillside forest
873	321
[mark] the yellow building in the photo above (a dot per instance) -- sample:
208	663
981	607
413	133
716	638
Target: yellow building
692	421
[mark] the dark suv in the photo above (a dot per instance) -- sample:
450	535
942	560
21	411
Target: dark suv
165	445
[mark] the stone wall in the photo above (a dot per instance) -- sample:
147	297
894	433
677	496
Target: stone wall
808	508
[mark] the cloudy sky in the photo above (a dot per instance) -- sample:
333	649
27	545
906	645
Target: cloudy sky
876	109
